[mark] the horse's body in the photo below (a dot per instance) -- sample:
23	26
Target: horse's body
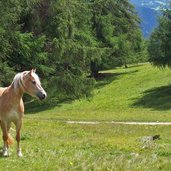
12	106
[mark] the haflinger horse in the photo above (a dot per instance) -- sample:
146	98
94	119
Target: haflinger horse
12	106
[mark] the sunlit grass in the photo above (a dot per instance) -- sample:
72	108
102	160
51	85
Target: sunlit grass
51	145
138	93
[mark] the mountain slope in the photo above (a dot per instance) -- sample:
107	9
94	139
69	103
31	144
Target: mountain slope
149	19
149	11
152	4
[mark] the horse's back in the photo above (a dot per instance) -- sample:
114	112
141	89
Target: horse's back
2	89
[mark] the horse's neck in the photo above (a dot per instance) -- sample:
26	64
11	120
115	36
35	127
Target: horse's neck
15	95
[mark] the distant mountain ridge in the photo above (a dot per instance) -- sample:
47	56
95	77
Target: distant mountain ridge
152	4
149	11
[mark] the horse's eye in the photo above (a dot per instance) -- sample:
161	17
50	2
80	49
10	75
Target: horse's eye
34	82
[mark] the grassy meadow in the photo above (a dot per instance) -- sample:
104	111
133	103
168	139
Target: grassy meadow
138	93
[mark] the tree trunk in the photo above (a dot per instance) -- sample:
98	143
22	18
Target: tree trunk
94	69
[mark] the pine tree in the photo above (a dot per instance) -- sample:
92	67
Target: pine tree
69	44
116	26
66	40
9	12
160	42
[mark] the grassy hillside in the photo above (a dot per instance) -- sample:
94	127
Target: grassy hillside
138	93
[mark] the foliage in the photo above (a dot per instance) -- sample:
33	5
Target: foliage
9	12
117	28
67	41
160	42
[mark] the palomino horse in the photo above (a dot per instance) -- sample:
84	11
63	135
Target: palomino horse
12	106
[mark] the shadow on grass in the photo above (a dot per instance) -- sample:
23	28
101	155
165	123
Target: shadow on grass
157	98
106	78
136	65
1	152
37	106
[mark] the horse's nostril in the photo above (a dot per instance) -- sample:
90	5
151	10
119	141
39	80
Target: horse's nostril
44	95
41	95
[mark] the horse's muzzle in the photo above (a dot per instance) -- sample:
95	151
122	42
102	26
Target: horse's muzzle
41	95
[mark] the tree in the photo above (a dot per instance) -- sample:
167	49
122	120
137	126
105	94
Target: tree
116	26
66	40
9	12
60	44
160	42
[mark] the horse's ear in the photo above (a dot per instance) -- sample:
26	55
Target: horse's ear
32	71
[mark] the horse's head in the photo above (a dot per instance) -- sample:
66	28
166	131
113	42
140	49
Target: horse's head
30	83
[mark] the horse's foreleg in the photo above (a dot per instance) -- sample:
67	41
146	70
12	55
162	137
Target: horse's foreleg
18	128
5	137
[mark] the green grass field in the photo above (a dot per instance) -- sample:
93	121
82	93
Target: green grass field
139	93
